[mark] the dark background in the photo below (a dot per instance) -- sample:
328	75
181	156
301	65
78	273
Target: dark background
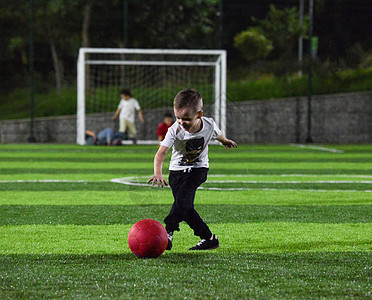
339	25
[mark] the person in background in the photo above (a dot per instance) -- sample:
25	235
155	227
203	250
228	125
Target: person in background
126	112
163	126
104	137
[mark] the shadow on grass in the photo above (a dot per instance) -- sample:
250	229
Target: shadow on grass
147	171
167	256
244	275
216	213
186	257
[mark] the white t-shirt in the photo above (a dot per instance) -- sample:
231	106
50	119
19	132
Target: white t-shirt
128	109
190	150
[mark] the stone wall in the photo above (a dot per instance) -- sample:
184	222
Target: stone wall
46	130
338	118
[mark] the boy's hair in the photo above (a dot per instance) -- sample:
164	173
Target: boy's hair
188	98
125	92
168	115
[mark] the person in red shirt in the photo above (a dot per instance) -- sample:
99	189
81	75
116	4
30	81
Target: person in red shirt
163	126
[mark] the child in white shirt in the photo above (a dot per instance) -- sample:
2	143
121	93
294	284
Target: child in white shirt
189	165
126	112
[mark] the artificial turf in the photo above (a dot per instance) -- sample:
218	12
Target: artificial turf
296	223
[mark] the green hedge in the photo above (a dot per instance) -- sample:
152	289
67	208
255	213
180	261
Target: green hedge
16	105
269	88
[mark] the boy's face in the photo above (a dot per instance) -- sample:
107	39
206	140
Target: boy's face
187	118
168	120
124	97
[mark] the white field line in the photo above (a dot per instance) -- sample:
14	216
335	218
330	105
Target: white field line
129	181
291	175
317	148
294	182
268	189
275	175
46	180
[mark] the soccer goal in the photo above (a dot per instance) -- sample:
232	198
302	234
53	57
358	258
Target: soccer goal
154	77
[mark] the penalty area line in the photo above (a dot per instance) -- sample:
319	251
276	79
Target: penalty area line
317	148
127	181
291	182
44	181
290	175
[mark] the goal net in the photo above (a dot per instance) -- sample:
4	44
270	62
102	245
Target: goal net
154	77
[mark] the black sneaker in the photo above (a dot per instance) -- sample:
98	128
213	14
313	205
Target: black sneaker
207	244
170	239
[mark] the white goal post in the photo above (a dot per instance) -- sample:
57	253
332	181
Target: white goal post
153	75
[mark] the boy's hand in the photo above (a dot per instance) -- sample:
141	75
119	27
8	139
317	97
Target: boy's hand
229	143
158	179
226	142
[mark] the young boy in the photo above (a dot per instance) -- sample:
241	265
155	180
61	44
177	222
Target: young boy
189	165
126	109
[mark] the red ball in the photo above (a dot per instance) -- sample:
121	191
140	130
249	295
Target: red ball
147	239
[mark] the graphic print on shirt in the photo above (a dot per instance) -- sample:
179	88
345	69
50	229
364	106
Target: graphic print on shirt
193	148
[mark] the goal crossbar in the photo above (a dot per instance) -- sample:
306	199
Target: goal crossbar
149	63
150	51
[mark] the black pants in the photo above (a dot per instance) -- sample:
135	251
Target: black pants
184	185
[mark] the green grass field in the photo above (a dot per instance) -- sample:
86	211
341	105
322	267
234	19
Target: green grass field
292	223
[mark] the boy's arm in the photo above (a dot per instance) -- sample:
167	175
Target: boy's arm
91	133
116	114
226	142
158	166
140	115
